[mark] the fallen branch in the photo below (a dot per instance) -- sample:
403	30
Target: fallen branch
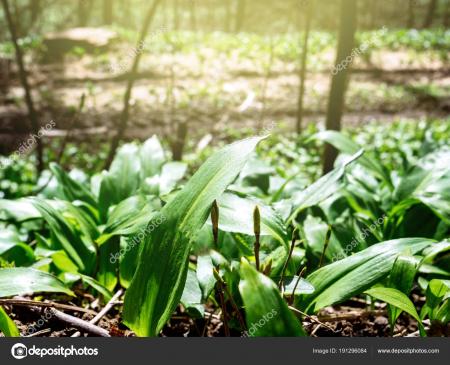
32	303
105	310
78	323
295	310
351	316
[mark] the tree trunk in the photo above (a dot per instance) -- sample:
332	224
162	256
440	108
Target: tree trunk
346	41
410	23
430	14
303	65
240	15
126	99
26	86
107	12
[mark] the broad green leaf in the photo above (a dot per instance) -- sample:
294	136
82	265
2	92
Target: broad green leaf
7	325
205	275
71	189
321	189
97	286
9	239
192	295
236	215
18	210
156	289
122	180
78	247
343	279
443	313
428	182
107	268
21	281
301	286
151	157
313	231
347	146
436	292
402	278
267	314
171	174
128	217
397	299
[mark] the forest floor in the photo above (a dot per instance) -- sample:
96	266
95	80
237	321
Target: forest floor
214	92
351	319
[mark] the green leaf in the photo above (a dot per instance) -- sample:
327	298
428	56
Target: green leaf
151	157
343	279
236	215
267	314
301	286
397	299
21	281
78	247
122	180
402	279
18	210
436	292
192	295
205	275
128	217
156	289
321	189
171	174
9	238
428	182
71	189
347	146
7	325
97	286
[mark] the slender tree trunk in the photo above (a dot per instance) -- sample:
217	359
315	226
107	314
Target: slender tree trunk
346	41
176	15
26	86
410	23
303	65
193	15
240	15
108	12
430	14
126	100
